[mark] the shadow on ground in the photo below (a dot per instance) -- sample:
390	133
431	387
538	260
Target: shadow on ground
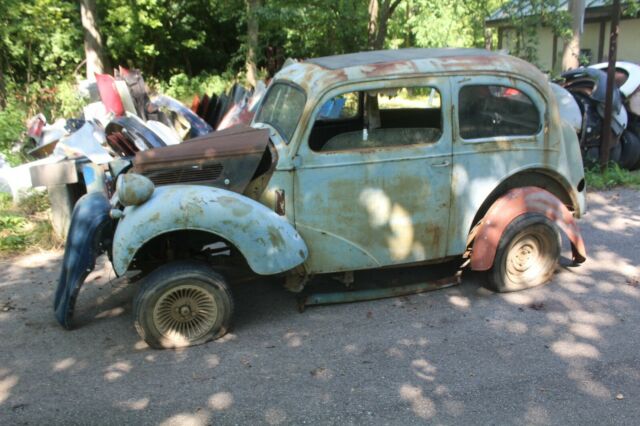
563	353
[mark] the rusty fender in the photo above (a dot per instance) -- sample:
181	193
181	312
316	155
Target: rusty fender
268	242
513	204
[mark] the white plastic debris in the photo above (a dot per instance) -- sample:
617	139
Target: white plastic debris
87	141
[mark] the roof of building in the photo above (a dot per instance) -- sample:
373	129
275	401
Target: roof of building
526	9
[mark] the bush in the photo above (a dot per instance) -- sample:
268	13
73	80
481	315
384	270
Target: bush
53	99
12	128
611	177
60	99
33	201
184	88
26	225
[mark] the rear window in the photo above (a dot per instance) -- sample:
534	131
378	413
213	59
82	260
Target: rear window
491	111
282	108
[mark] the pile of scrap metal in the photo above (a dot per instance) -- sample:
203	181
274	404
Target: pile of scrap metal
120	120
237	106
588	87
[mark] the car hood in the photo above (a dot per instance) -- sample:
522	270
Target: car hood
227	159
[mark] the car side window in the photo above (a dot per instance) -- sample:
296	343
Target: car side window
382	118
487	111
342	107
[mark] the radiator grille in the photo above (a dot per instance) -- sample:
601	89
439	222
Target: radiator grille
184	174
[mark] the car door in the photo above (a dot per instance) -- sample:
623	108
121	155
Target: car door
499	130
376	192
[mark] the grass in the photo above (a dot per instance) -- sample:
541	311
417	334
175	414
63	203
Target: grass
26	226
612	177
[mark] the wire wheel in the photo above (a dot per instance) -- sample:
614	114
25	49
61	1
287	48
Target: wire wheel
182	303
187	312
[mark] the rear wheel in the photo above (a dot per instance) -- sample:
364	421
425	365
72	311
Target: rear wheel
182	304
527	255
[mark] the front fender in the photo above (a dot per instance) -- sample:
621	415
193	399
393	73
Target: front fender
267	241
88	236
513	204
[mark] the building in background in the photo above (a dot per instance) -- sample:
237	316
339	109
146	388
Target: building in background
594	45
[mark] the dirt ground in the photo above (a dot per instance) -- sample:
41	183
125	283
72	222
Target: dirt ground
565	353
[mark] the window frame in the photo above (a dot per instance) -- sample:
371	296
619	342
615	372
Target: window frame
362	87
284	137
535	96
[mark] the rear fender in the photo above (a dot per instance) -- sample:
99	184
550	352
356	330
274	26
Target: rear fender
267	241
513	204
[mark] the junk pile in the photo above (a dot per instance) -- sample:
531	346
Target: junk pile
120	119
588	87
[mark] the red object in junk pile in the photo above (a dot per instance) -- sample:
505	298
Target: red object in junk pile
35	126
109	94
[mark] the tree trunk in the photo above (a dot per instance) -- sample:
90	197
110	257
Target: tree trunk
373	23
93	48
571	50
252	41
380	12
3	90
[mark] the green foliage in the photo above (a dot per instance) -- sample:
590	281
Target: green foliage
183	88
612	177
184	47
314	28
440	23
12	119
39	39
53	99
165	37
33	202
25	226
67	102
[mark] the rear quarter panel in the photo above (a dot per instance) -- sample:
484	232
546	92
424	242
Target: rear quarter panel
481	165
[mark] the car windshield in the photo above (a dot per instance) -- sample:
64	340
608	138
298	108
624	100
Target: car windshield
282	109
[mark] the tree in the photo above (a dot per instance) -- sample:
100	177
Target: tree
571	50
39	40
380	11
93	48
253	28
167	37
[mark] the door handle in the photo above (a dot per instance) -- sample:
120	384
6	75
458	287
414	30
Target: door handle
445	163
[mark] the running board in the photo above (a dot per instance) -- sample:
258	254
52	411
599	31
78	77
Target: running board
314	299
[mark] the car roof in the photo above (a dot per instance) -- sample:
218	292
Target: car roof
317	74
385	56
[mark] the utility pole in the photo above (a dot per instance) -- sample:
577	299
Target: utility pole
606	143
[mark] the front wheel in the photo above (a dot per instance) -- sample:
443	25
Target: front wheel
527	255
182	304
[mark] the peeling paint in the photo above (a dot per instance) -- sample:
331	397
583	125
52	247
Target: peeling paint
214	210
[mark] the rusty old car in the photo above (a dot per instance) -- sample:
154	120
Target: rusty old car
352	162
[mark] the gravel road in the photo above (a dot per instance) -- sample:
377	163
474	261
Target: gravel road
566	353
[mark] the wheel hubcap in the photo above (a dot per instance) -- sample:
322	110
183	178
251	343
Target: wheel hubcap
186	311
524	261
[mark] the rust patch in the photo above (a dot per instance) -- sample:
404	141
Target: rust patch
238	208
275	237
513	204
388	68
